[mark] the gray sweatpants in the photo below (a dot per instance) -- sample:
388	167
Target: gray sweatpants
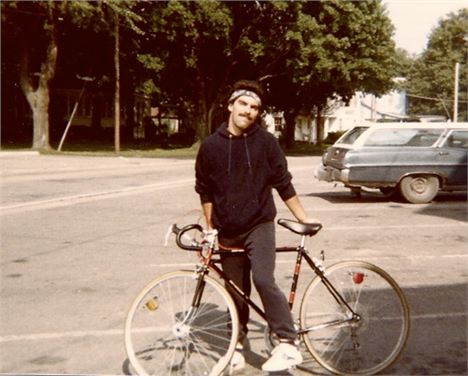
259	258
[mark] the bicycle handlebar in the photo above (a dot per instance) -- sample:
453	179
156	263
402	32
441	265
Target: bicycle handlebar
304	229
180	232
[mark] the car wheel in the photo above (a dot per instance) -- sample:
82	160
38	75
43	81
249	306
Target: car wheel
419	189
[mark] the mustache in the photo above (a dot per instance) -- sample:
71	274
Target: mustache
247	116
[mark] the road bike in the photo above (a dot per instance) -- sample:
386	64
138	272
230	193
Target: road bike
354	319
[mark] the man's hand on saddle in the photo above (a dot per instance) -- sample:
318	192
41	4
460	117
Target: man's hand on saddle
311	220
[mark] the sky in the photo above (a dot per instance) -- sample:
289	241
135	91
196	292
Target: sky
415	19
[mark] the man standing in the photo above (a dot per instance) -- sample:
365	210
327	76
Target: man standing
236	169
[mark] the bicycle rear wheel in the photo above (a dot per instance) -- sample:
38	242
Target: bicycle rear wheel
361	345
165	335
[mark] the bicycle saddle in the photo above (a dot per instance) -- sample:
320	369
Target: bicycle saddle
308	229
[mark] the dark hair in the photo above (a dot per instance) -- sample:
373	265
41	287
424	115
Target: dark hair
249	85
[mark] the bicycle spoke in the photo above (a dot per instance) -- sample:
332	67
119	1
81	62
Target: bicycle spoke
165	335
372	335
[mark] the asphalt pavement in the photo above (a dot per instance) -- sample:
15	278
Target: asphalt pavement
80	236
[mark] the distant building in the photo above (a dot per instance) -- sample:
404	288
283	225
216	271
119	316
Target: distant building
273	123
362	107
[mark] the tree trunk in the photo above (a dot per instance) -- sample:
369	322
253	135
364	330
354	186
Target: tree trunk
39	96
41	120
202	118
290	119
319	122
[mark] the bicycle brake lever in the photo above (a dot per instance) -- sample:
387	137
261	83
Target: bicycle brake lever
170	230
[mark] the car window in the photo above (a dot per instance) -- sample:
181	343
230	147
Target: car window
403	137
349	137
457	139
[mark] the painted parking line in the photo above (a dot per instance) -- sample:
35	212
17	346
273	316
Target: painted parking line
87	197
59	335
88	172
120	332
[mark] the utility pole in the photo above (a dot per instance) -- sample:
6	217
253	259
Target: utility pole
465	38
117	88
455	94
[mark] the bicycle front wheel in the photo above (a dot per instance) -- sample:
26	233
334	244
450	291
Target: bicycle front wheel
167	334
360	344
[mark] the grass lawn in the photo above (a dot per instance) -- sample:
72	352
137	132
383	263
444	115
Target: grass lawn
143	151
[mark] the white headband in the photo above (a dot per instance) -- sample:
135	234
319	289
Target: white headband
239	93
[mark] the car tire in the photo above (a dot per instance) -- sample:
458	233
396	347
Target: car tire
419	189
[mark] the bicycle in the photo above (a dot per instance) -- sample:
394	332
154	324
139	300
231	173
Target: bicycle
353	319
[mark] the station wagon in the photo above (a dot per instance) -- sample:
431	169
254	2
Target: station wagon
416	160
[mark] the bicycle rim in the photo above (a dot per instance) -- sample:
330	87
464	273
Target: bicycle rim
360	347
165	336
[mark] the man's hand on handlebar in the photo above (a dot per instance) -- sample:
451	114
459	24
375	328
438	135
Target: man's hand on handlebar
209	237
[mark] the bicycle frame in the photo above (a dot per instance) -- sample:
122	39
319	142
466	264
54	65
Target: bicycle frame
211	264
162	327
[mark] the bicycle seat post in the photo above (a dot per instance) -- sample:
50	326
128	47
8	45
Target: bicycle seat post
303	237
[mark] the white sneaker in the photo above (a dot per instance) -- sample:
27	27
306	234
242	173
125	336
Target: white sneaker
237	361
283	356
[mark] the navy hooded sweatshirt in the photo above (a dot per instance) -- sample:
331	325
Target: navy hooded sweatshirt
237	173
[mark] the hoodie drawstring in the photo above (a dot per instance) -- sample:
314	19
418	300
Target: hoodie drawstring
229	155
247	153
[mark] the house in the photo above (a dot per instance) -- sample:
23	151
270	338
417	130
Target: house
362	107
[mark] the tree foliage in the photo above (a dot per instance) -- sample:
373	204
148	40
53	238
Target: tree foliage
38	27
430	83
195	50
191	52
344	47
304	52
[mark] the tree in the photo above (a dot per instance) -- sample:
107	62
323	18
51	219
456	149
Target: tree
343	47
197	49
405	62
120	11
38	27
430	83
34	26
304	52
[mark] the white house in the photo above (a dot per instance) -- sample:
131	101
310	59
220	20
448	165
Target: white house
362	107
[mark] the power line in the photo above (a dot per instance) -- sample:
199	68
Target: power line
434	99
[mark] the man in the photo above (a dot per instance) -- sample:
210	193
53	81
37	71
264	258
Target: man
236	169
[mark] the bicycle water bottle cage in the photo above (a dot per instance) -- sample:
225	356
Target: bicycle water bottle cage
308	229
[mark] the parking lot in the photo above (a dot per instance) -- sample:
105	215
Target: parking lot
81	235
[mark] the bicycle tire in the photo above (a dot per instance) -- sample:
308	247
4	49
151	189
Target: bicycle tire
164	337
355	348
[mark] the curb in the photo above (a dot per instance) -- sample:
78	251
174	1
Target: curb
19	153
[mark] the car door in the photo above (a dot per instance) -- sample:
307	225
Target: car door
389	154
452	158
